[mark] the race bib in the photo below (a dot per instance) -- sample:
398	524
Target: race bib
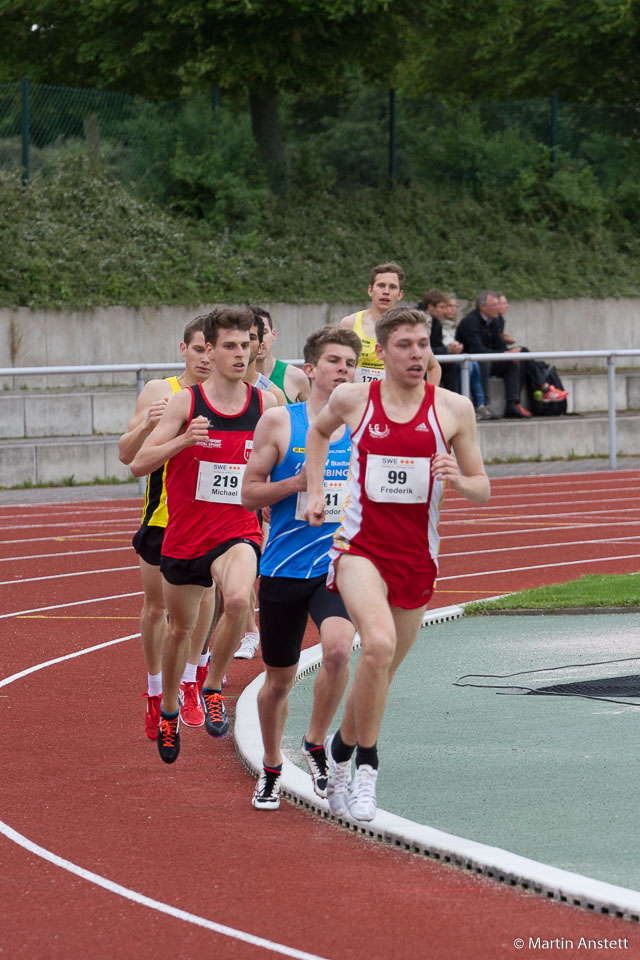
334	494
397	479
368	374
220	482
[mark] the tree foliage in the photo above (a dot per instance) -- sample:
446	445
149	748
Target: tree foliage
583	50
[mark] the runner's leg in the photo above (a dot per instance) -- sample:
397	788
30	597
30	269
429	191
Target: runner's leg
365	596
183	605
234	573
153	617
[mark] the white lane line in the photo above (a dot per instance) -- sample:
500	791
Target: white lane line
540	546
69	523
570	495
73	603
66	553
488	507
539	566
117	888
77	508
89	535
67	656
555	528
149	902
64	576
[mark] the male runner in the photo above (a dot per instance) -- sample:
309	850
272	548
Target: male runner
287	376
384	558
293	568
254	375
385	291
206	435
147	542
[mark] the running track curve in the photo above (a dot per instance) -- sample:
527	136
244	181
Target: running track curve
107	852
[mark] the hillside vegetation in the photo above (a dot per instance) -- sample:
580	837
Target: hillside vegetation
183	214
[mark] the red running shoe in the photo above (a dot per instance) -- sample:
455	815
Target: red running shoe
201	676
553	395
152	716
191	710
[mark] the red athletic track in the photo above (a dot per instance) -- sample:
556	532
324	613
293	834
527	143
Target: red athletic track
82	781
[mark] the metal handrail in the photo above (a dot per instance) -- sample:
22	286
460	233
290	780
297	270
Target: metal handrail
464	359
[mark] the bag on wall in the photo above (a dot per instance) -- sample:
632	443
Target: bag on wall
542	408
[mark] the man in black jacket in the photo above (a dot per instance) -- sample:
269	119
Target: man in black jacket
481	331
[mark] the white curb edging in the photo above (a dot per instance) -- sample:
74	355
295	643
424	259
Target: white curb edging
493	862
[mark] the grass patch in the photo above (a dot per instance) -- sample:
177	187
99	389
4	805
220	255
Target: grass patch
592	590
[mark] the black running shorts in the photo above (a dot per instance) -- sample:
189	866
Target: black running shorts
285	603
197	571
147	543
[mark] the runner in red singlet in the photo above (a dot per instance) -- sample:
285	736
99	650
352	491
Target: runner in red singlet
384	558
205	436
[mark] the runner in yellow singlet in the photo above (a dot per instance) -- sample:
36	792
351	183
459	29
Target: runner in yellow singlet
147	541
385	291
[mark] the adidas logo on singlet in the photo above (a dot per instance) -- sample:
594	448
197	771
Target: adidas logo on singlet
422	427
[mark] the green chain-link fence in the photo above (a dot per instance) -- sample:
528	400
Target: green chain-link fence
364	136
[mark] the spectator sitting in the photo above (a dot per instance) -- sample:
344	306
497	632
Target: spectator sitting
481	331
449	323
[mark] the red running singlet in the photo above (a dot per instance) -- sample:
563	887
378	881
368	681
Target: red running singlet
392	504
204	481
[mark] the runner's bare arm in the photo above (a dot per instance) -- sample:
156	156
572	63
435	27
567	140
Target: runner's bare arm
270	443
276	392
296	383
149	408
169	437
463	470
269	399
348	322
434	370
344	404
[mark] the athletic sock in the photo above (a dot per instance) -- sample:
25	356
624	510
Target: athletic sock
341	751
368	755
154	684
168	716
312	746
206	690
203	659
189	675
274	769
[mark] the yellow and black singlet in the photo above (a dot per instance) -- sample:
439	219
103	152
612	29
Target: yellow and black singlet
154	512
370	366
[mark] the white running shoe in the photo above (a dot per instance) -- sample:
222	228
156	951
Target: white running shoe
362	800
317	763
248	646
338	781
266	795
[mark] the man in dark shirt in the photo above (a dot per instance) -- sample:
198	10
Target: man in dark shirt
481	331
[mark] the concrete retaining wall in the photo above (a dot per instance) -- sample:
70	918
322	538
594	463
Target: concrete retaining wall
151	334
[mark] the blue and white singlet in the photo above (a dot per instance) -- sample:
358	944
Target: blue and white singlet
295	549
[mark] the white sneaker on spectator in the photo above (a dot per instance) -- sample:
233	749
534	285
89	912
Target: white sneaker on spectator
248	646
362	800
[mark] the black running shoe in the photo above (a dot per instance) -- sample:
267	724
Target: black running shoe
169	737
216	720
266	795
317	763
